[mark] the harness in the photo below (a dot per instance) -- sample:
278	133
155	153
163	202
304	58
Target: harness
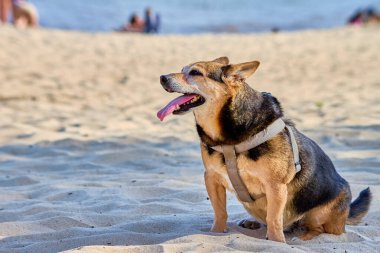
230	151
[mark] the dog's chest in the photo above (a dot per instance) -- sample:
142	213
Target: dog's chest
251	173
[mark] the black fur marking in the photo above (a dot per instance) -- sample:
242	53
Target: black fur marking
319	181
223	159
249	113
215	76
204	137
200	131
257	152
210	150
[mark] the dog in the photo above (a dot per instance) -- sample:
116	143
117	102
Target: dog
229	112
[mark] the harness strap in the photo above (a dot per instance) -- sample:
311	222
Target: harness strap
296	153
233	173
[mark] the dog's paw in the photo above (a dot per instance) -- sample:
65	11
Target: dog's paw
307	236
278	237
250	224
219	230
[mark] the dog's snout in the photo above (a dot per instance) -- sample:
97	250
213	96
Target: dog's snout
163	79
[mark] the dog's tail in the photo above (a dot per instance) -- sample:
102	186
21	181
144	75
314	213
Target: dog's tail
359	208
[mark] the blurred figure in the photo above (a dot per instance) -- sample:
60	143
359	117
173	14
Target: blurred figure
364	17
24	14
357	18
275	29
136	24
152	21
5	9
373	17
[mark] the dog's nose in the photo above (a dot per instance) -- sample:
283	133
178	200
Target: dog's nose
163	79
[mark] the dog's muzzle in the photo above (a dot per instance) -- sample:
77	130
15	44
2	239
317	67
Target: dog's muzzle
164	80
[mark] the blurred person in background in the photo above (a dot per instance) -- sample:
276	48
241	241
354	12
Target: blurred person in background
5	9
357	18
136	24
24	13
373	17
152	21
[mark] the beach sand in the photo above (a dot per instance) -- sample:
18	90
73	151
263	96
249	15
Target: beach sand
85	165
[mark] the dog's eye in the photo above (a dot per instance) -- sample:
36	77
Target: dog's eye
195	72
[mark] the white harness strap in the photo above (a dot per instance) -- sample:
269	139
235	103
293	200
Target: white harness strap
229	153
233	173
296	153
268	133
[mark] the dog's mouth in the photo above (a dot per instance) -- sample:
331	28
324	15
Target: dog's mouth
181	105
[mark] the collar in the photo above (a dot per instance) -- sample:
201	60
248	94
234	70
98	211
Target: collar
268	133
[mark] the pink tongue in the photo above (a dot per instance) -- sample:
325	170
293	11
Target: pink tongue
171	106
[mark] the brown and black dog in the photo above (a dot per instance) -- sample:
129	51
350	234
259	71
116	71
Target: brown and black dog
227	112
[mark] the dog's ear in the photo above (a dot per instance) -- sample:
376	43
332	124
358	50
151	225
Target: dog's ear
239	72
222	60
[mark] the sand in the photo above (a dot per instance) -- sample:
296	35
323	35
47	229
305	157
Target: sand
85	165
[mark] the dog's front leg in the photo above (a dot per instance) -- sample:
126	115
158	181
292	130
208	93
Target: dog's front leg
217	194
276	200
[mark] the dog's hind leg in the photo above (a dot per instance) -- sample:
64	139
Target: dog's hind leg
336	224
314	221
312	232
217	194
338	214
330	218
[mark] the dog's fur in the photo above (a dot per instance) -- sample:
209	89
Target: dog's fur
317	196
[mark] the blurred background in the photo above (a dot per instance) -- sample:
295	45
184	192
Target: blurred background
201	16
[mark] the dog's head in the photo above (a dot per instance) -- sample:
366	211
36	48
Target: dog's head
204	84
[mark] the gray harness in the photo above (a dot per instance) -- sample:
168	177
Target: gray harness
230	151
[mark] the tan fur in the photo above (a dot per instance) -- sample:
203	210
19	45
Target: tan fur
329	218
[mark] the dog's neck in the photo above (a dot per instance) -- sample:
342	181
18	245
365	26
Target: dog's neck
238	118
207	120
